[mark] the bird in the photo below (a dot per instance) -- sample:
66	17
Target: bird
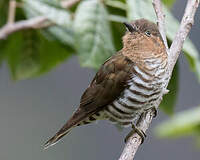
128	84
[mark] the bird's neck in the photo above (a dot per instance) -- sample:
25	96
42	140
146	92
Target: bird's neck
144	49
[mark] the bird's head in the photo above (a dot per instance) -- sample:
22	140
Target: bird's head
138	29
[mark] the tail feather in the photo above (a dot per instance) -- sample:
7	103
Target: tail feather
61	133
73	121
55	139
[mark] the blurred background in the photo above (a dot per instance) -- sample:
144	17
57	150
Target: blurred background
33	110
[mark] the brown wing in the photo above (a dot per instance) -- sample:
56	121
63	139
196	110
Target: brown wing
107	85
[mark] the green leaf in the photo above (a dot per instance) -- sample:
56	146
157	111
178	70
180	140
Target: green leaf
183	123
52	53
169	100
62	31
22	56
118	30
54	3
117	18
63	34
3	11
4	7
168	3
116	4
29	54
93	36
134	12
116	11
56	15
2	47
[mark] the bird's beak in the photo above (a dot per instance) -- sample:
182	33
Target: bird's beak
130	27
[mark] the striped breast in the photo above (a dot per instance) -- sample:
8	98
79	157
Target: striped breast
144	89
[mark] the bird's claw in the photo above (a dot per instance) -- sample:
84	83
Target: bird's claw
138	131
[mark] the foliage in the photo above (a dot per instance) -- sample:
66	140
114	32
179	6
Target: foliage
29	54
168	3
92	30
3	11
183	123
92	27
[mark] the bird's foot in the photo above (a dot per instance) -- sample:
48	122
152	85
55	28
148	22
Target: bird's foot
138	131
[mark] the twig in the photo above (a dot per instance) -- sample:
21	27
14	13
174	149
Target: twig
11	11
161	20
185	27
143	123
36	22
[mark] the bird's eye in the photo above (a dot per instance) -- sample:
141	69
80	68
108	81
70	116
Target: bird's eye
148	33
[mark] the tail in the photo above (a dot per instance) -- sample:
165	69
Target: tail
55	139
77	117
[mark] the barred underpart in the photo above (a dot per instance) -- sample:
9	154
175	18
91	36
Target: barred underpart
145	89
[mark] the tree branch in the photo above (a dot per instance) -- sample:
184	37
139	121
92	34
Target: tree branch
11	11
161	20
9	28
185	27
36	22
135	140
143	123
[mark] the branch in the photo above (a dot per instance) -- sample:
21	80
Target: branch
135	140
9	28
185	27
143	123
11	11
161	20
36	22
